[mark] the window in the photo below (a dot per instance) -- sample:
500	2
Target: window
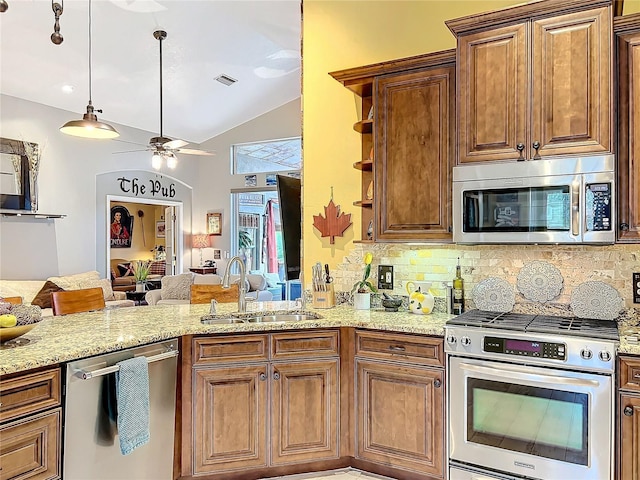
269	156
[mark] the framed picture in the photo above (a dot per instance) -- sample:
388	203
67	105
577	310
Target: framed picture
214	223
250	180
160	226
121	228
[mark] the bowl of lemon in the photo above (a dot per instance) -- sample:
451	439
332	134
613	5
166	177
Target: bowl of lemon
16	320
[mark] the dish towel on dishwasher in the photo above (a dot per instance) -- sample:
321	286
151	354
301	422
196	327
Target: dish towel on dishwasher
132	391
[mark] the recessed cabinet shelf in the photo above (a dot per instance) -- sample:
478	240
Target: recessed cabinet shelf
363	126
37	216
365	165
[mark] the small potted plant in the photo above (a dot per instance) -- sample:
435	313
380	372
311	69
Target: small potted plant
362	288
140	273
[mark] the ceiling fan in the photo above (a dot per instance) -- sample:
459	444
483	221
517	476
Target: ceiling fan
164	148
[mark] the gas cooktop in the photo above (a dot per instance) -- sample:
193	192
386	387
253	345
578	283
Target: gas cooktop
571	326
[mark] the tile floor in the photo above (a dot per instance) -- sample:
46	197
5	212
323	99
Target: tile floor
342	474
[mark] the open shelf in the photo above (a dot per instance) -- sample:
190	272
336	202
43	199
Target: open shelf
364	126
365	165
363	203
17	213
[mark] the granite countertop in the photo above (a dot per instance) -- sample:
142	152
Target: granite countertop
71	337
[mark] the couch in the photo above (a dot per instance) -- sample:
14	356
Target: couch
122	279
38	292
176	289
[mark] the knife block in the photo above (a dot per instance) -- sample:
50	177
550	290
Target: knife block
324	299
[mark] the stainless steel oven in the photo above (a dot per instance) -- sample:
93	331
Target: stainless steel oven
568	200
529	404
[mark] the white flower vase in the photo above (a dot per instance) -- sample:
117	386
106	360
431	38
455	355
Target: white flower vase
140	286
361	301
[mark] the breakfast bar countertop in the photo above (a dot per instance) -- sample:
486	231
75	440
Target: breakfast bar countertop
71	337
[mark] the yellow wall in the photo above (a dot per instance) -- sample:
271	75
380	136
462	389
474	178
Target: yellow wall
343	34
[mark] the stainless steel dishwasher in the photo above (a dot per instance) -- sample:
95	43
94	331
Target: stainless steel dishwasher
91	448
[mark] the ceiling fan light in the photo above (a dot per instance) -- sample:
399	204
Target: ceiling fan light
156	161
172	161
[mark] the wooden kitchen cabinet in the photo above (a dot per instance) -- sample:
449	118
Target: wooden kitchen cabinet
535	81
30	425
400	403
230	418
415	145
628	424
30	447
256	401
627	34
304	411
407	148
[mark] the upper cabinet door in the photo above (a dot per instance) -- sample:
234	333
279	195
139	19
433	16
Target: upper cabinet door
492	94
571	107
414	154
628	152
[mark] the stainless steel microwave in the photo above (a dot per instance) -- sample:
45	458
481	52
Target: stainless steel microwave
566	200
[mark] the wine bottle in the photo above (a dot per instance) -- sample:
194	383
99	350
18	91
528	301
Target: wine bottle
458	291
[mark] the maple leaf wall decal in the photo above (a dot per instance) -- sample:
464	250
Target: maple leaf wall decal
334	223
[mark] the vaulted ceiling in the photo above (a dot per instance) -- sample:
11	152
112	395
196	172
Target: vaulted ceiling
255	42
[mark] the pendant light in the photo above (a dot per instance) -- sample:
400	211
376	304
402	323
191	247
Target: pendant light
89	126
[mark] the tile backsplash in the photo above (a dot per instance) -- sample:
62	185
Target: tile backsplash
611	264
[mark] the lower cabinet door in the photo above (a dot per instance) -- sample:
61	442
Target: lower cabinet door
230	418
400	416
30	448
629	437
304	411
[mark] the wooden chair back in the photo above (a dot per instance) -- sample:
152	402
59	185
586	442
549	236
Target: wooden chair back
12	300
75	301
201	293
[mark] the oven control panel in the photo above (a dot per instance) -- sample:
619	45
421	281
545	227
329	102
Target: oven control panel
525	348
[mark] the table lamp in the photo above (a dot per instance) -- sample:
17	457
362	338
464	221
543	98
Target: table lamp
200	240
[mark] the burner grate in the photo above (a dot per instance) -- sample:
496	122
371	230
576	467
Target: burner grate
484	319
579	327
571	326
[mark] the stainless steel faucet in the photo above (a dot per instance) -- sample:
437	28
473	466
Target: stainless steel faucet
242	300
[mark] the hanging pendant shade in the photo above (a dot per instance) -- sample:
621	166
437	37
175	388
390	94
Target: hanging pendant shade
89	126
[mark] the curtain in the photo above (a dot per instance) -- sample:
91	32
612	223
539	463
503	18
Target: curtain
272	255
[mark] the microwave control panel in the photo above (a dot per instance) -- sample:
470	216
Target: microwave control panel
525	348
598	207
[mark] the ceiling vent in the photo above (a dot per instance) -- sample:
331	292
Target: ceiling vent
226	80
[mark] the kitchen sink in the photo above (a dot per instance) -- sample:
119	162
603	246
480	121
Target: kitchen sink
221	321
282	317
257	317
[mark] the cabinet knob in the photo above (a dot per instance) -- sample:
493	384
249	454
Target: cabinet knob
536	146
624	227
263	376
520	148
628	411
276	376
437	383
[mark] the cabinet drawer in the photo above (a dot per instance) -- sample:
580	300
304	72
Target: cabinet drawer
305	344
398	346
31	448
629	377
233	348
29	393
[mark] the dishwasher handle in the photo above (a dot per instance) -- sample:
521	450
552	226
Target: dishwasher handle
87	375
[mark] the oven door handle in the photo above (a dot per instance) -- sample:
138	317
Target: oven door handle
521	374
